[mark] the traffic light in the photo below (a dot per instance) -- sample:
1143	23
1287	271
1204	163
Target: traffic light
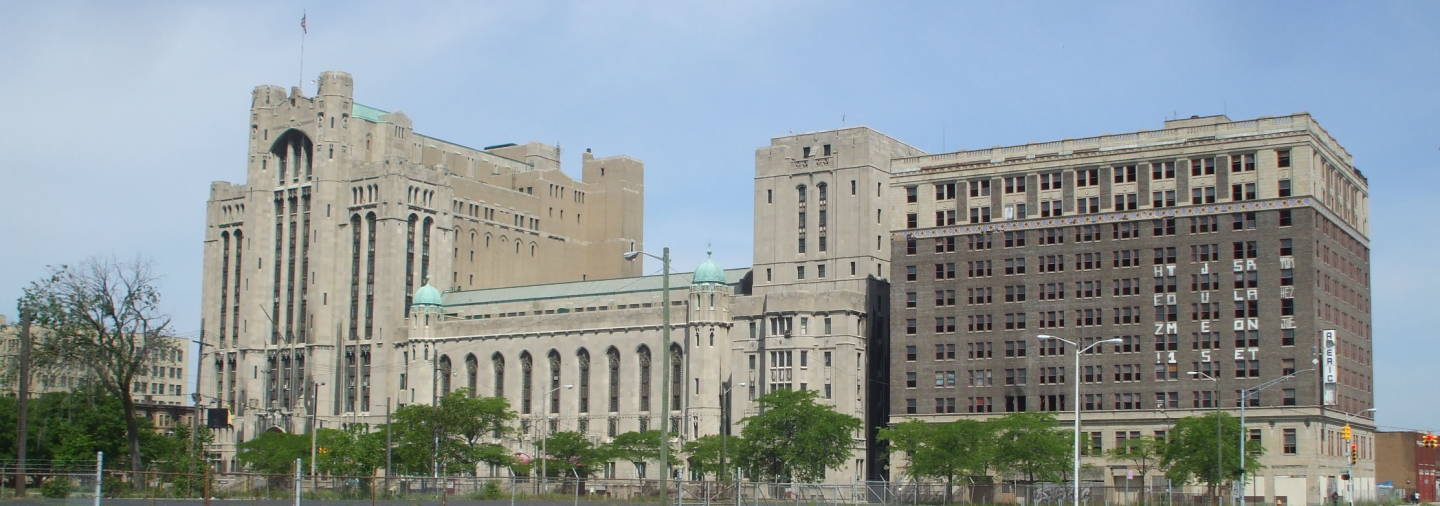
1346	433
1354	454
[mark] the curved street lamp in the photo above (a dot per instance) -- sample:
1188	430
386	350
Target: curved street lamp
664	259
1075	464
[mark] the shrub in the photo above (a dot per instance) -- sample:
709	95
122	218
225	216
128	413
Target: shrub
56	488
489	491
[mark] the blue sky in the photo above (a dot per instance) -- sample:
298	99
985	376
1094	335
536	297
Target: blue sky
120	114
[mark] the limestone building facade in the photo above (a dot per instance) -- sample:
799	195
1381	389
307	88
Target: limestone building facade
344	212
1232	250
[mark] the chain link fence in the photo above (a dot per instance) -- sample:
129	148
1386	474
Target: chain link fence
77	481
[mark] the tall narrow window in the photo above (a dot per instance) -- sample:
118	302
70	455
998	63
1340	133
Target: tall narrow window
497	363
644	354
277	267
677	379
442	369
582	360
613	357
554	388
527	366
370	275
425	250
410	261
235	308
472	366
224	282
355	277
364	375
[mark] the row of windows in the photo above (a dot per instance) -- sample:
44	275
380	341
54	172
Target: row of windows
1164	343
1118	401
553	383
1090	176
1160	227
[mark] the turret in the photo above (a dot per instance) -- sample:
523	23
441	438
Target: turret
335	83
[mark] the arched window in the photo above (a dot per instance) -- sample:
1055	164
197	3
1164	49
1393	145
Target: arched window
224	281
532	249
293	150
370	275
800	193
822	191
554	359
527	366
425	249
472	365
497	362
355	276
410	261
613	357
644	353
442	370
582	359
677	379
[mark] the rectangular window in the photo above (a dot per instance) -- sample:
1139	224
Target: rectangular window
1125	174
912	194
945	191
1284	187
1282	158
1291	442
1014	184
1162	170
1202	166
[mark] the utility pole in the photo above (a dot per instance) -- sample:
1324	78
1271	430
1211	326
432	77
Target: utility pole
314	403
23	417
388	444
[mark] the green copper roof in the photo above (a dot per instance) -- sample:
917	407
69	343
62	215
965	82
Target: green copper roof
366	112
709	271
426	296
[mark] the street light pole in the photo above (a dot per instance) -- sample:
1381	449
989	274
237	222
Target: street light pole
1075	464
1219	445
664	259
1350	468
1244	400
544	452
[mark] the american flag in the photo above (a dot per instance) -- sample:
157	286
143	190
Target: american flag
303	28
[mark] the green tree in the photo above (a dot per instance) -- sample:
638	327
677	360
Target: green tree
793	438
1030	444
713	455
637	447
944	450
1202	449
571	451
274	452
105	315
349	451
1143	453
458	424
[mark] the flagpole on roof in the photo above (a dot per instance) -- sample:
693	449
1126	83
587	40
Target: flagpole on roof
303	31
